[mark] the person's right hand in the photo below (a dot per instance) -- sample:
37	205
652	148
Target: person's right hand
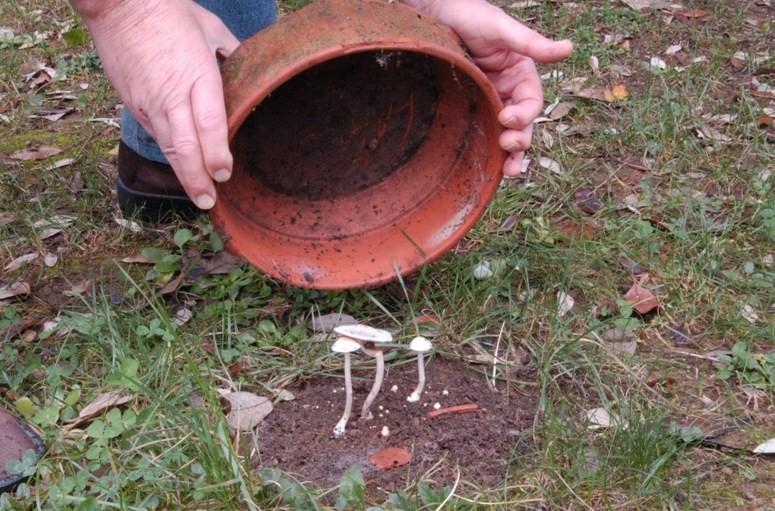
161	58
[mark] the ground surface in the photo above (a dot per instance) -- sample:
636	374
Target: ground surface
652	166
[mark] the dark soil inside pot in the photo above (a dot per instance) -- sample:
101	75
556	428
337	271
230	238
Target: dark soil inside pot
297	437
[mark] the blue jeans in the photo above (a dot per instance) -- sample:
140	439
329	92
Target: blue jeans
244	18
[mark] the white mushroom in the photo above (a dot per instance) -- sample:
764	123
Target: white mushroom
419	345
345	345
369	338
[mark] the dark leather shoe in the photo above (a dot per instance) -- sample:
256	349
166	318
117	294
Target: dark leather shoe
149	190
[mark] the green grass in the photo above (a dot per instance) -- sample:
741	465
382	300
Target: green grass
701	230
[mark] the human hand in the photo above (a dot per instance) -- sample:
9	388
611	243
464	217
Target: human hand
161	59
506	51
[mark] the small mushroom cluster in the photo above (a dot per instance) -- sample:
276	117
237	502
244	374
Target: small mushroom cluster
371	340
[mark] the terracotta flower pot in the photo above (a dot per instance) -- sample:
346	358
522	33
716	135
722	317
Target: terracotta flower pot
365	143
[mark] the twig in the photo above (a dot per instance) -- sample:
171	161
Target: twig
466	408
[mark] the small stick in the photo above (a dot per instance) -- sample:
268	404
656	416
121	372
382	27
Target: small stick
466	408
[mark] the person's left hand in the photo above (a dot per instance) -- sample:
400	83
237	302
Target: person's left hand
506	50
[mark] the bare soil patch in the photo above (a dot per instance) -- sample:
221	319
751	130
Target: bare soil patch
297	437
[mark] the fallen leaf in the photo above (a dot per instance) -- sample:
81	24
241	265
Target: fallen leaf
482	271
78	289
20	261
138	259
247	409
283	394
560	110
549	164
641	299
597	94
61	163
657	64
39	153
767	447
182	316
711	134
565	303
129	224
508	223
600	418
642	5
52	115
750	314
634	267
621	347
391	457
173	284
221	263
594	64
76	183
98	405
672	50
18	288
619	335
587	201
50	260
693	14
48	232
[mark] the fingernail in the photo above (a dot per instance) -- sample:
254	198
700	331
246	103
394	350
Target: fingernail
222	175
205	202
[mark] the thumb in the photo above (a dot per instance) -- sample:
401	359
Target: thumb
530	43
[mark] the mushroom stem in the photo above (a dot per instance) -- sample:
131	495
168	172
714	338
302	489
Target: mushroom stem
417	392
348	405
377	354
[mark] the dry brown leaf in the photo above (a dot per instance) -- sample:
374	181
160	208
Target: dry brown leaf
247	410
560	110
38	153
711	134
20	261
391	457
138	259
641	299
692	14
587	201
221	263
173	285
642	5
64	162
98	405
597	94
78	289
549	164
18	288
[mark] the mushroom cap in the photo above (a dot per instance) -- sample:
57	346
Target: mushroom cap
364	333
345	345
420	344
